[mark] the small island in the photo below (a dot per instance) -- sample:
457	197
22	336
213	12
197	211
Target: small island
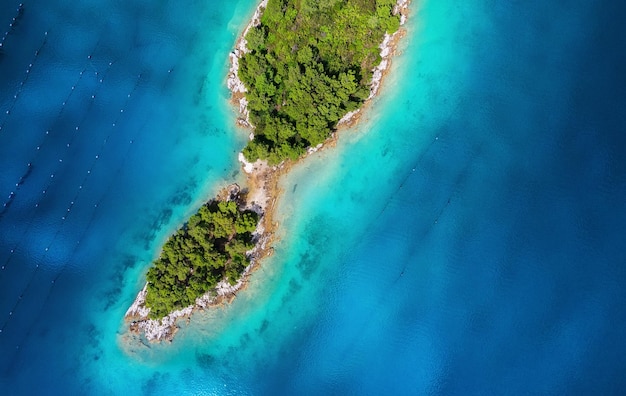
202	263
307	65
213	246
300	70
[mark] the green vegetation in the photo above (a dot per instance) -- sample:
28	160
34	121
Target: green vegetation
310	63
212	246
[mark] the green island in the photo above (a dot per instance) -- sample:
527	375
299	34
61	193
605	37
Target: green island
211	247
305	65
309	63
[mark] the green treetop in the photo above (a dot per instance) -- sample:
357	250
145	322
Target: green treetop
212	246
310	63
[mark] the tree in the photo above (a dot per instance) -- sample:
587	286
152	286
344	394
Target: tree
309	64
212	246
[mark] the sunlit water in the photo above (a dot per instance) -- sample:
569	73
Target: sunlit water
466	237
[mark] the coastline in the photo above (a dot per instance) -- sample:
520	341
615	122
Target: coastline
262	186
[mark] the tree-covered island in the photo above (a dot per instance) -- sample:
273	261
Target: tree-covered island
305	65
309	62
211	247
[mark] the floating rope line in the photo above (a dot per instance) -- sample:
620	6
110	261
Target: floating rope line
13	24
99	154
167	79
80	187
23	82
53	282
404	180
430	226
70	93
395	194
29	165
373	312
128	96
50	182
39	146
20	241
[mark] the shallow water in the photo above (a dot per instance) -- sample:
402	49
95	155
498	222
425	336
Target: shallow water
465	237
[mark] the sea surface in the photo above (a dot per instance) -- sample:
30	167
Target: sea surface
467	237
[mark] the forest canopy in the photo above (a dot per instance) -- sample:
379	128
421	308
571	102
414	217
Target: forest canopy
309	63
211	247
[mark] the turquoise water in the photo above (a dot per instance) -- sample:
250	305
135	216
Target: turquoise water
464	238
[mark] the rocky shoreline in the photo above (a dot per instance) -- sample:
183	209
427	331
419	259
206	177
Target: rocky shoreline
164	329
262	189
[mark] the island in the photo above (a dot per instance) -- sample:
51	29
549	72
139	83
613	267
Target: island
300	71
212	246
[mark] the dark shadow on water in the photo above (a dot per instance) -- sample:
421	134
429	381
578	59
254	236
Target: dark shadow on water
205	360
162	219
264	325
152	385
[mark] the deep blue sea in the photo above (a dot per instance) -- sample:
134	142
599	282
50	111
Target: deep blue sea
467	237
